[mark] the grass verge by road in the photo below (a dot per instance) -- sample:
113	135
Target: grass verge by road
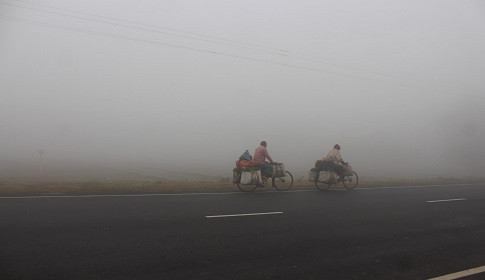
22	188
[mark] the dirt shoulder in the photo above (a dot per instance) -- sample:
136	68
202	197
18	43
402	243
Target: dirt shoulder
25	188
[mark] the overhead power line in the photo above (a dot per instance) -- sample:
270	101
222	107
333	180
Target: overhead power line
275	51
140	28
232	43
209	52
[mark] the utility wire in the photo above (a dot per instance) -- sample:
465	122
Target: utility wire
275	51
278	51
209	52
139	28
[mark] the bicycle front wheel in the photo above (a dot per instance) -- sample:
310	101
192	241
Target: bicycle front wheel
246	188
350	182
283	183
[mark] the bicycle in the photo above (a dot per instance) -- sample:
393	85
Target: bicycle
350	181
282	183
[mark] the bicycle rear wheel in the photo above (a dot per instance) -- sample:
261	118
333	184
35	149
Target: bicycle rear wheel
350	182
283	183
246	188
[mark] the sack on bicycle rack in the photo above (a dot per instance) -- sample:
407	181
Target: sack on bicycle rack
348	170
319	164
312	176
236	176
327	177
251	177
324	165
279	170
247	164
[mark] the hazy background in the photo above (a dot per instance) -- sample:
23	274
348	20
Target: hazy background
189	85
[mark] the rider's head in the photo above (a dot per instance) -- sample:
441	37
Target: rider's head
337	146
263	143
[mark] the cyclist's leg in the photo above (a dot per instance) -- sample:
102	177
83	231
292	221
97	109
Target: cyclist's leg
266	170
339	169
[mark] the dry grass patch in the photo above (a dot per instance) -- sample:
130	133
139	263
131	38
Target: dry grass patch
112	187
11	188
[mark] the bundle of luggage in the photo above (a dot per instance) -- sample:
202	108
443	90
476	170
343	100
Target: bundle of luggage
326	165
324	176
247	165
324	172
279	170
247	171
349	171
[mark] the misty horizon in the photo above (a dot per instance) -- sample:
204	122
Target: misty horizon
188	86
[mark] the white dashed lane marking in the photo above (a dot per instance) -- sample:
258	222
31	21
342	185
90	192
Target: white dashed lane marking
241	215
446	200
460	274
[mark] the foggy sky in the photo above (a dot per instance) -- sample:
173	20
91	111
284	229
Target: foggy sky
192	84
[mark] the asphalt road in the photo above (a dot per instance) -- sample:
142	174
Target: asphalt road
386	233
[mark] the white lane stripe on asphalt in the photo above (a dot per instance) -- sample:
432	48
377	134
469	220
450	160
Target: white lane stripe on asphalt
241	215
461	274
446	200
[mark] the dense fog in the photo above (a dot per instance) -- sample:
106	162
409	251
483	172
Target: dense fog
188	86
